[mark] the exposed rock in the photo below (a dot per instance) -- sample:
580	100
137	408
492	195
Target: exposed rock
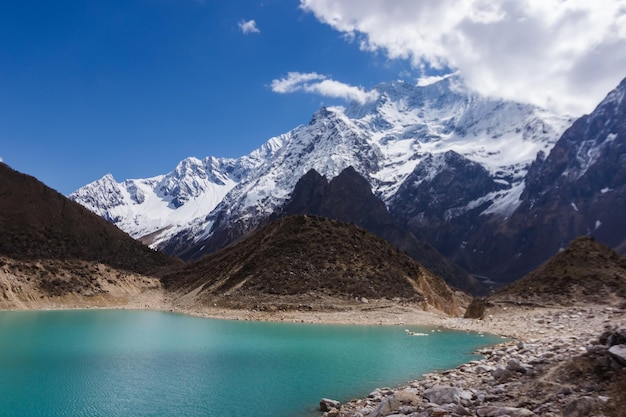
619	353
383	409
564	371
327	404
581	407
493	411
443	395
515	366
407	397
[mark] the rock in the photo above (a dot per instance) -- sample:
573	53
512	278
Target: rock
502	375
482	369
407	397
515	366
456	409
619	353
604	337
493	411
581	407
333	412
443	395
328	404
617	338
383	409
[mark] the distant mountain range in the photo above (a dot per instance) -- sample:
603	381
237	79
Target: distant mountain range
496	186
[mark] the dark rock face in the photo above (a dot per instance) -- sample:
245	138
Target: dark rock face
440	189
578	189
435	202
347	198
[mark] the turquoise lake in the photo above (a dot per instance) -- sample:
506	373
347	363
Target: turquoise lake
114	363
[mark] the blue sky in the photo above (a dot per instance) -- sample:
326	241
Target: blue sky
131	87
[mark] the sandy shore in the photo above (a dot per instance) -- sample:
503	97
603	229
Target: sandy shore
520	323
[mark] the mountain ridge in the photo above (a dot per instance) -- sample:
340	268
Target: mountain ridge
373	144
296	260
411	136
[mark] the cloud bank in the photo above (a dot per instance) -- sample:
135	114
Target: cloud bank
248	27
562	54
319	84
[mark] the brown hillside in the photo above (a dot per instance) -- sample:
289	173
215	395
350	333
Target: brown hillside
303	257
54	252
37	222
585	272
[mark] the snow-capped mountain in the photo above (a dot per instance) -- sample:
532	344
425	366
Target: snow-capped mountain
410	133
155	208
578	188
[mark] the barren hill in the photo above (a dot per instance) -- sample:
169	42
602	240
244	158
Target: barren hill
585	272
298	259
53	247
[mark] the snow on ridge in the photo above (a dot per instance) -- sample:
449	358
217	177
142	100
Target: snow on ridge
384	141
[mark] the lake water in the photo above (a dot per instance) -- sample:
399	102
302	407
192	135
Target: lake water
143	363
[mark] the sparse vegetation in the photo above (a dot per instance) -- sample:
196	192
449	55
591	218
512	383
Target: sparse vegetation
586	271
300	254
39	223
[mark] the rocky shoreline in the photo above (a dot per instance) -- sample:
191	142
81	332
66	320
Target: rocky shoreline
565	362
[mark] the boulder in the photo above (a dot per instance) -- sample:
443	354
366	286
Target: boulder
617	338
443	395
328	404
494	411
619	353
383	409
515	366
333	412
407	397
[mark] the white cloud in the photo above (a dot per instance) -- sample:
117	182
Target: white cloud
562	54
315	83
248	27
431	79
